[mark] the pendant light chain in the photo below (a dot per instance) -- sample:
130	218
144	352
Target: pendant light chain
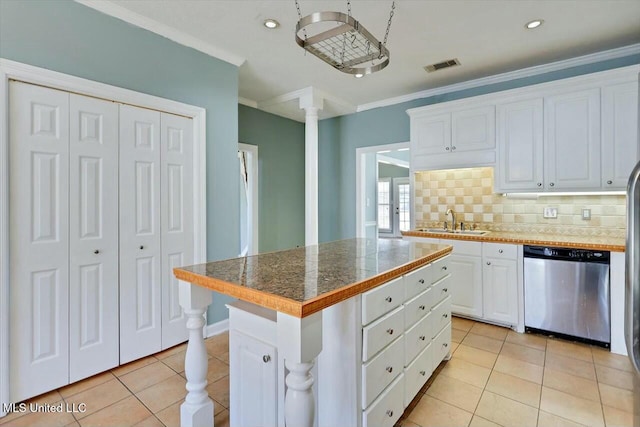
386	35
304	31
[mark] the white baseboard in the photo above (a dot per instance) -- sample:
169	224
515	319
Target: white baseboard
217	328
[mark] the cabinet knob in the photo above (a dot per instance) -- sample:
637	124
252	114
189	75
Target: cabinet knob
447	148
266	358
390	331
422	307
445	315
423	373
445	344
389	412
389	369
488	262
500	251
141	247
422	337
388	299
444	267
551	184
421	281
539	184
445	290
609	182
96	252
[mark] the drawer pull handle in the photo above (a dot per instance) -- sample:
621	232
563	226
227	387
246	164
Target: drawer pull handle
445	344
500	251
444	267
423	373
388	299
389	412
421	281
422	337
389	369
266	358
390	331
445	315
444	289
422	307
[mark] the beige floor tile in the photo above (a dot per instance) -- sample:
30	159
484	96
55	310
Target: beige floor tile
606	358
530	340
217	345
475	356
574	408
216	369
571	384
170	416
468	372
222	419
477	421
614	377
454	347
151	421
457	335
455	392
569	349
407	423
99	397
506	412
77	424
147	376
546	419
171	351
224	357
175	361
128	411
616	397
433	412
483	343
219	391
521	352
49	419
86	384
518	368
163	394
461	324
491	331
616	418
132	366
570	366
514	388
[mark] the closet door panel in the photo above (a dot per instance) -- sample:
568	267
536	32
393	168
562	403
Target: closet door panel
177	219
38	239
93	216
140	233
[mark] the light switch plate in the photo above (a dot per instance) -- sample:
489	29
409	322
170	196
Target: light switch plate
586	214
550	212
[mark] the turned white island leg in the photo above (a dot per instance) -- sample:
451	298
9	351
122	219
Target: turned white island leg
197	409
300	342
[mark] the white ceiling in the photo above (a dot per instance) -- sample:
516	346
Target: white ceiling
487	36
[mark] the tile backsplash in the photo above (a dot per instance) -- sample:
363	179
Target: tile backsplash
469	192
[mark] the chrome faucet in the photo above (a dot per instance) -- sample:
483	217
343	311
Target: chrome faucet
453	218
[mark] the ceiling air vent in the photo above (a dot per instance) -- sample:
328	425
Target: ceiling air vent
441	65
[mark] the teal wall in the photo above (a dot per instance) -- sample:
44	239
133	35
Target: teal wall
280	144
392	171
340	136
70	38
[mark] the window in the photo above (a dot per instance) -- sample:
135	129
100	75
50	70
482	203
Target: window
384	205
403	207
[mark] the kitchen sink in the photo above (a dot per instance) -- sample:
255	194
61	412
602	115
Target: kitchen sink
461	232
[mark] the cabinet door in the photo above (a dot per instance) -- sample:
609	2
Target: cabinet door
473	129
140	272
430	135
253	391
176	182
500	290
572	141
38	239
620	151
466	285
93	234
520	149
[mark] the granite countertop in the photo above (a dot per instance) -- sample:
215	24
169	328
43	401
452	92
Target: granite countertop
613	244
305	280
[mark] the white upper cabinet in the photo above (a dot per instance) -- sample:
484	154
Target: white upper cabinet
473	129
432	134
572	140
619	134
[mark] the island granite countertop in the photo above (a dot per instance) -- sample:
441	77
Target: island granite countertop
303	281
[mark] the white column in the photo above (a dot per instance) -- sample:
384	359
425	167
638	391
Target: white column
299	342
197	409
311	103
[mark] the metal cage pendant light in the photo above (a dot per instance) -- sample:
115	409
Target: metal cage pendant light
342	42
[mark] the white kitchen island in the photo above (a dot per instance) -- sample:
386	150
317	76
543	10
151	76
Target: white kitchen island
374	314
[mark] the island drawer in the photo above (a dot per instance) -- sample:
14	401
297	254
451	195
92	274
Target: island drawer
417	308
440	291
500	250
417	281
381	300
440	268
441	346
440	316
387	408
416	339
380	333
381	370
417	374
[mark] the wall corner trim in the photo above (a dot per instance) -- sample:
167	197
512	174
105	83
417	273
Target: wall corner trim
216	328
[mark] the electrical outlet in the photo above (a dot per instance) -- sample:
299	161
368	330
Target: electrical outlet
586	214
550	212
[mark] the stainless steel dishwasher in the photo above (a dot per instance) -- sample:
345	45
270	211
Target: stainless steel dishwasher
566	293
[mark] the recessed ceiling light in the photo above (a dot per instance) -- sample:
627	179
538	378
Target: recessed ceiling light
533	24
271	24
358	76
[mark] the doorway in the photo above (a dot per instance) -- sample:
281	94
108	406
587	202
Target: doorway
249	219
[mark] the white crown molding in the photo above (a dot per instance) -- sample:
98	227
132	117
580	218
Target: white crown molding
511	75
164	30
248	102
